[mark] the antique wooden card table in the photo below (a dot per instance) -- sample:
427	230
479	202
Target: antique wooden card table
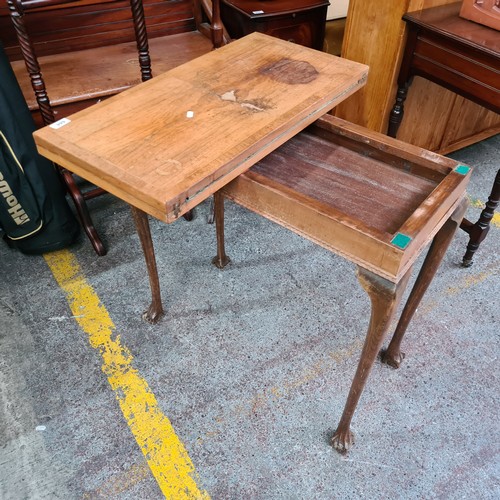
169	143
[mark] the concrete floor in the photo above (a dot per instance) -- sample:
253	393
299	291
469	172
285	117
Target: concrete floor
251	366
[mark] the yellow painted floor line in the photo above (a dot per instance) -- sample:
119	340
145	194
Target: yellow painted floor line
165	454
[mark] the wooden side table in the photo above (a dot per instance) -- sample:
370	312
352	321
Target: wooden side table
169	143
298	21
463	57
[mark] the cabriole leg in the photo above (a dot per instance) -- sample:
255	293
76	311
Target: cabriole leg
384	296
393	355
155	311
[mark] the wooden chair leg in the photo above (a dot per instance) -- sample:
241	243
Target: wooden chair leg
384	296
155	310
83	213
141	37
397	112
480	229
393	355
221	260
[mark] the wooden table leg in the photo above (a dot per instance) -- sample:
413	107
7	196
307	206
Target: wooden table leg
480	229
397	112
83	211
221	260
189	215
155	310
393	355
384	296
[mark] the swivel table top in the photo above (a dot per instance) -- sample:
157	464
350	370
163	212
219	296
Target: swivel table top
169	143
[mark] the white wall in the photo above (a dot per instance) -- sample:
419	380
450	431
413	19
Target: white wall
338	8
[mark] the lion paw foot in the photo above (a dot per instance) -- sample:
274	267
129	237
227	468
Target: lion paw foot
221	263
342	440
153	314
391	359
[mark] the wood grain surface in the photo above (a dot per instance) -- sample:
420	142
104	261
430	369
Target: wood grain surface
247	99
352	190
107	70
376	35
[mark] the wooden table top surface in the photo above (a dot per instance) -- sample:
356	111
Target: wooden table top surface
169	143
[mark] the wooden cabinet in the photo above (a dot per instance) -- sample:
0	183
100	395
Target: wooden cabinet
435	118
299	21
455	53
96	39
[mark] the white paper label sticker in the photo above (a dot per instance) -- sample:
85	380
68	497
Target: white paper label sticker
60	123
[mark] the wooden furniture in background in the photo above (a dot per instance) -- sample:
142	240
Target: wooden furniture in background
18	10
298	21
436	118
457	54
478	230
373	200
76	54
485	12
96	39
461	56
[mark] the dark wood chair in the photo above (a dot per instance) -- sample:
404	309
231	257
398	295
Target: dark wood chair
82	52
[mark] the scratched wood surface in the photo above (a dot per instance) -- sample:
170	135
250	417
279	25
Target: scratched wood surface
370	190
247	99
352	190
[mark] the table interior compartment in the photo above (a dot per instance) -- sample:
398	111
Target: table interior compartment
353	180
